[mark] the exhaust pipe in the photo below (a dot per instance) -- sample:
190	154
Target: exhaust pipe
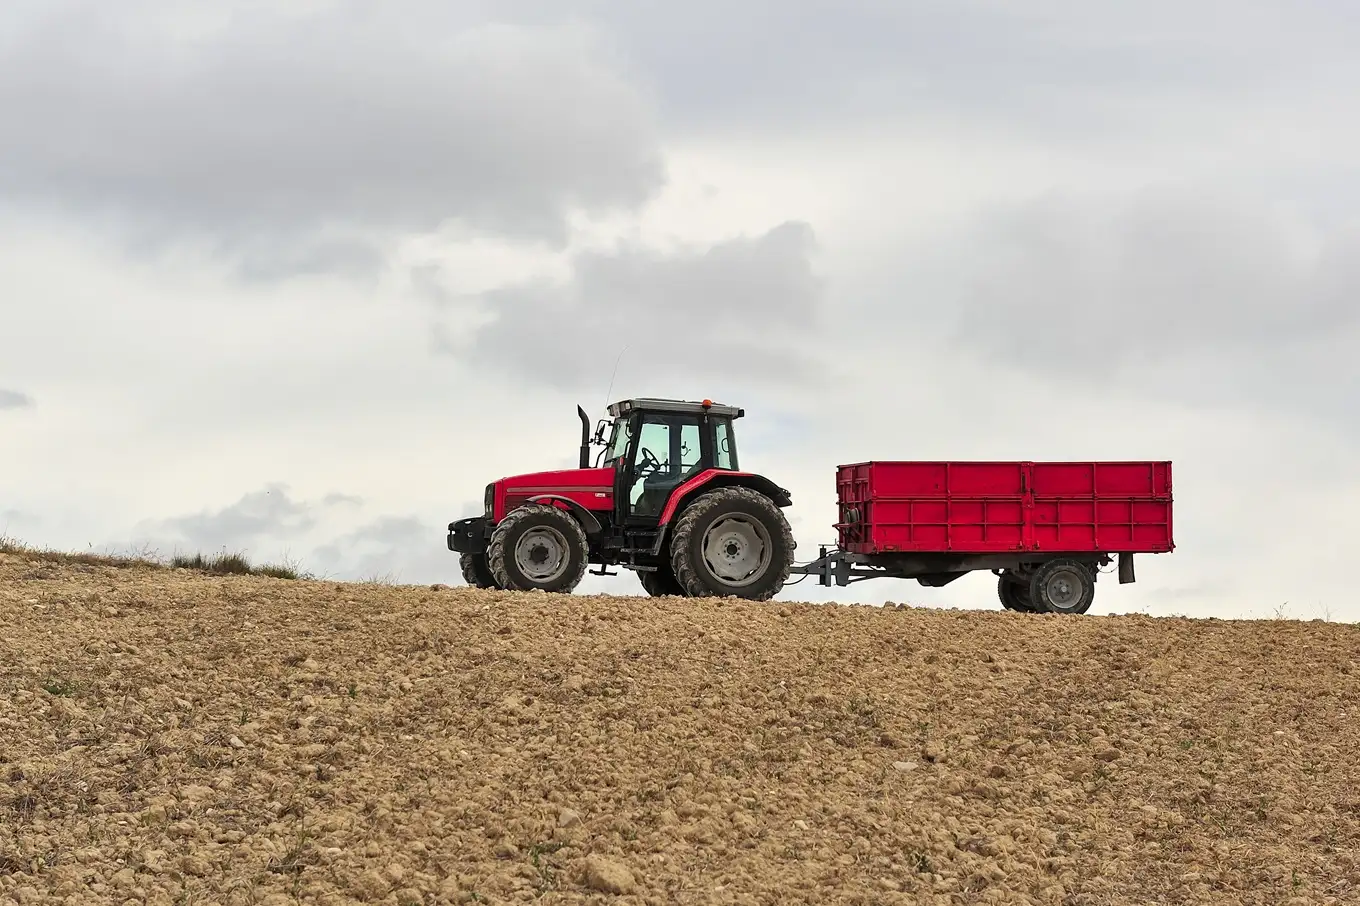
585	437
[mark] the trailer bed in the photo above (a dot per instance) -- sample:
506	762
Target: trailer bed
971	507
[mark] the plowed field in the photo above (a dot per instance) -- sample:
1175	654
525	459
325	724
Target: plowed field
170	737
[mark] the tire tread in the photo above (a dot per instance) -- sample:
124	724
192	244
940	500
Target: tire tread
496	548
476	571
686	572
1041	573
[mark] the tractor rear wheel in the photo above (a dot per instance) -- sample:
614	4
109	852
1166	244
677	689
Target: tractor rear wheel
732	541
538	547
661	583
476	571
1063	586
1014	593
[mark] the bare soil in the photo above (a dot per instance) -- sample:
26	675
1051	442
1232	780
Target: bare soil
169	737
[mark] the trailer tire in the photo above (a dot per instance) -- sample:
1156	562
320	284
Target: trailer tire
732	541
538	547
661	583
1014	593
476	571
1063	586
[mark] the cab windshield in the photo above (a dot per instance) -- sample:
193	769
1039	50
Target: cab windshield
618	440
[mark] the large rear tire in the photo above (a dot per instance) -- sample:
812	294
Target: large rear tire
538	547
732	541
1063	586
661	583
476	571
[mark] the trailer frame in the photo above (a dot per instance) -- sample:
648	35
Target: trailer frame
837	567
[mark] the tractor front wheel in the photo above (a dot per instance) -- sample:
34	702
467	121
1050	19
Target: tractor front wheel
732	541
538	547
476	571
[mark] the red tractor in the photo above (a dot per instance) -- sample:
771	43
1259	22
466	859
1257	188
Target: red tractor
666	498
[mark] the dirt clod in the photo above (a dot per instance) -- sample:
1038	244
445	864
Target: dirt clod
371	885
608	876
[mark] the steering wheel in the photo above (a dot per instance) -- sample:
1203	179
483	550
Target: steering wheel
649	462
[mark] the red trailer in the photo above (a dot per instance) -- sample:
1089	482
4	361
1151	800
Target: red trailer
1045	528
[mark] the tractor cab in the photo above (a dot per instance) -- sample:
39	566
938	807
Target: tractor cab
675	442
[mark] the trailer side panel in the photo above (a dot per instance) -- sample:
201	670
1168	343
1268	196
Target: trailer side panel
995	507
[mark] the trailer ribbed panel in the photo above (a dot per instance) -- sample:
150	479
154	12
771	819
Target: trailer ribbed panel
997	507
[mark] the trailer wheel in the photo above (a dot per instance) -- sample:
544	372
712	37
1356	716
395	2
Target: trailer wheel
661	583
476	571
732	541
538	547
1063	586
1014	593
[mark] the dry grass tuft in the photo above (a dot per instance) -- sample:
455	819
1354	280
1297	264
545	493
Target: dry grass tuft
141	560
224	563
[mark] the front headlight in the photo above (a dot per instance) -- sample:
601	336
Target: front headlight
490	500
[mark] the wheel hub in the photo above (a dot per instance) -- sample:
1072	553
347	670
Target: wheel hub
736	550
541	554
1064	589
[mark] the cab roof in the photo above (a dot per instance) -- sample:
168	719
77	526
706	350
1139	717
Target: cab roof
688	407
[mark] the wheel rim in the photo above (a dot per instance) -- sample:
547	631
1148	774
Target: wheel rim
736	550
1064	589
541	554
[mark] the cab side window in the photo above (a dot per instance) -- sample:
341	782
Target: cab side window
653	458
724	456
690	450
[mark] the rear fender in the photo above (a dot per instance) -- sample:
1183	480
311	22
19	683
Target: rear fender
708	480
589	523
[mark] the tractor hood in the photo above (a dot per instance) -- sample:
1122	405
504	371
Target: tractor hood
591	488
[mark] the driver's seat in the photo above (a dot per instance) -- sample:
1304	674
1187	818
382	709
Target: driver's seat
657	488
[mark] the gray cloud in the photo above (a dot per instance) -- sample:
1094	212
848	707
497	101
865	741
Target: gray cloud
403	549
273	523
1090	72
255	128
1151	277
268	515
256	515
1185	294
270	255
744	308
12	517
12	399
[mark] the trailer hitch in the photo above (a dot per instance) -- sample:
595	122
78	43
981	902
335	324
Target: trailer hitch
826	568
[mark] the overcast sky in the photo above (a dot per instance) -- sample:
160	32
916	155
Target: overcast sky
300	283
